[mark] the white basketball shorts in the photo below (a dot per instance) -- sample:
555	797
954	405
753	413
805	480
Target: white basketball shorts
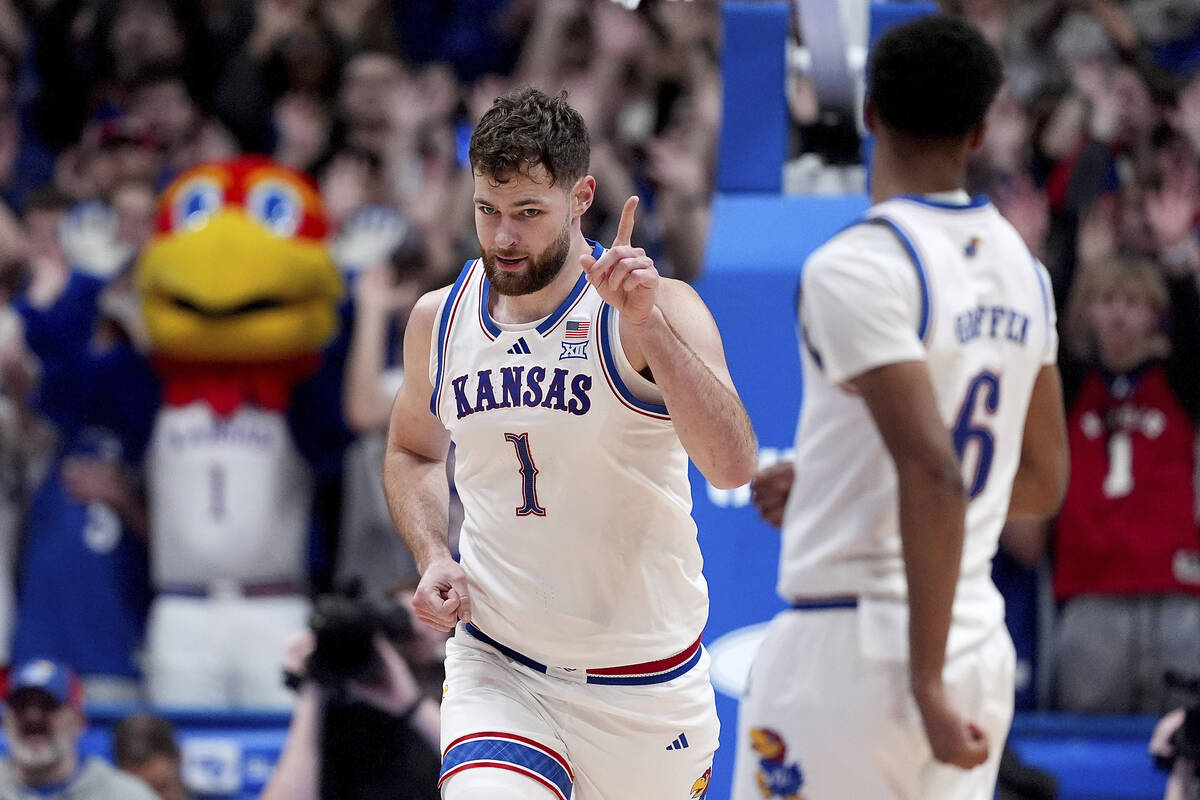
824	720
644	731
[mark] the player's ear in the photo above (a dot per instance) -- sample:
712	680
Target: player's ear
582	195
870	117
977	136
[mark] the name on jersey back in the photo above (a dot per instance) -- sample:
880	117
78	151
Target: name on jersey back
992	322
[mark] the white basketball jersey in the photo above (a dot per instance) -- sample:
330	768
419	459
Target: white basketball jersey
230	498
951	284
577	537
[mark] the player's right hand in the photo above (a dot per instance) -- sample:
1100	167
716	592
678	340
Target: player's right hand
769	490
953	739
443	596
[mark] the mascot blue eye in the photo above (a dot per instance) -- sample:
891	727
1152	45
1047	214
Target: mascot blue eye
197	202
276	206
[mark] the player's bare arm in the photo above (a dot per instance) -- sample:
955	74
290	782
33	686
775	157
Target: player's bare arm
1025	540
932	503
414	479
1045	467
666	326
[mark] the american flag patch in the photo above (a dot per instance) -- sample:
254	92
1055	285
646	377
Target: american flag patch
577	329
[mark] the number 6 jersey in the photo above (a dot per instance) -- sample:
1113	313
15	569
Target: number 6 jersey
577	535
949	282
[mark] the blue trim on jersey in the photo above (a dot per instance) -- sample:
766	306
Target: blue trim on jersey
1041	279
916	260
610	363
444	331
555	317
485	319
508	751
646	680
508	651
801	331
978	201
824	603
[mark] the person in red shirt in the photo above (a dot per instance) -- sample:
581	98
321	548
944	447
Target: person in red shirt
1126	549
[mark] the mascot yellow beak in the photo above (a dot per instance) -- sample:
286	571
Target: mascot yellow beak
230	290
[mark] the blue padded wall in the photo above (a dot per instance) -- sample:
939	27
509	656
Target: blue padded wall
753	143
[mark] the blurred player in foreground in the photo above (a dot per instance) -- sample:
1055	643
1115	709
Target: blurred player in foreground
932	412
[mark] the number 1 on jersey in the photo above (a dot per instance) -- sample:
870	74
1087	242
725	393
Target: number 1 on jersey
529	505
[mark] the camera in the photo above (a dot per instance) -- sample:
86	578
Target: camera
345	623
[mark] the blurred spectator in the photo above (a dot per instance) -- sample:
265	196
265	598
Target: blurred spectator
87	55
394	276
144	745
351	179
476	37
1015	571
367	82
83	568
24	441
108	153
43	720
276	92
18	445
185	134
84	584
1126	559
354	737
133	201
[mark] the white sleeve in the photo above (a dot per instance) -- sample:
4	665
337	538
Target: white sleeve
861	303
1050	355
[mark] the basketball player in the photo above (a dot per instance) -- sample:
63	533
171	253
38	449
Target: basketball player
932	412
574	382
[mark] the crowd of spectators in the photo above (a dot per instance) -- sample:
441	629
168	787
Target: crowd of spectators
105	101
1092	151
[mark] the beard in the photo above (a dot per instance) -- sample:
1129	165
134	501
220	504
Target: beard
42	756
540	269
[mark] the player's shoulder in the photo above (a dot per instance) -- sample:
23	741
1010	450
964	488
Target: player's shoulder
424	312
864	246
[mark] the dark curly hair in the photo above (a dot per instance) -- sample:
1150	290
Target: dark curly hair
933	78
527	127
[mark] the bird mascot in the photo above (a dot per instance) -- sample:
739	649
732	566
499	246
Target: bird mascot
240	298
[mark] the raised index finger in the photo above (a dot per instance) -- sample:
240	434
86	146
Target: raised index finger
625	226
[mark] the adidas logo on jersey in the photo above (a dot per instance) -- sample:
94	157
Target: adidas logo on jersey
519	349
680	743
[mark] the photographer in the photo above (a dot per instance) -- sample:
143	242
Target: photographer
361	728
